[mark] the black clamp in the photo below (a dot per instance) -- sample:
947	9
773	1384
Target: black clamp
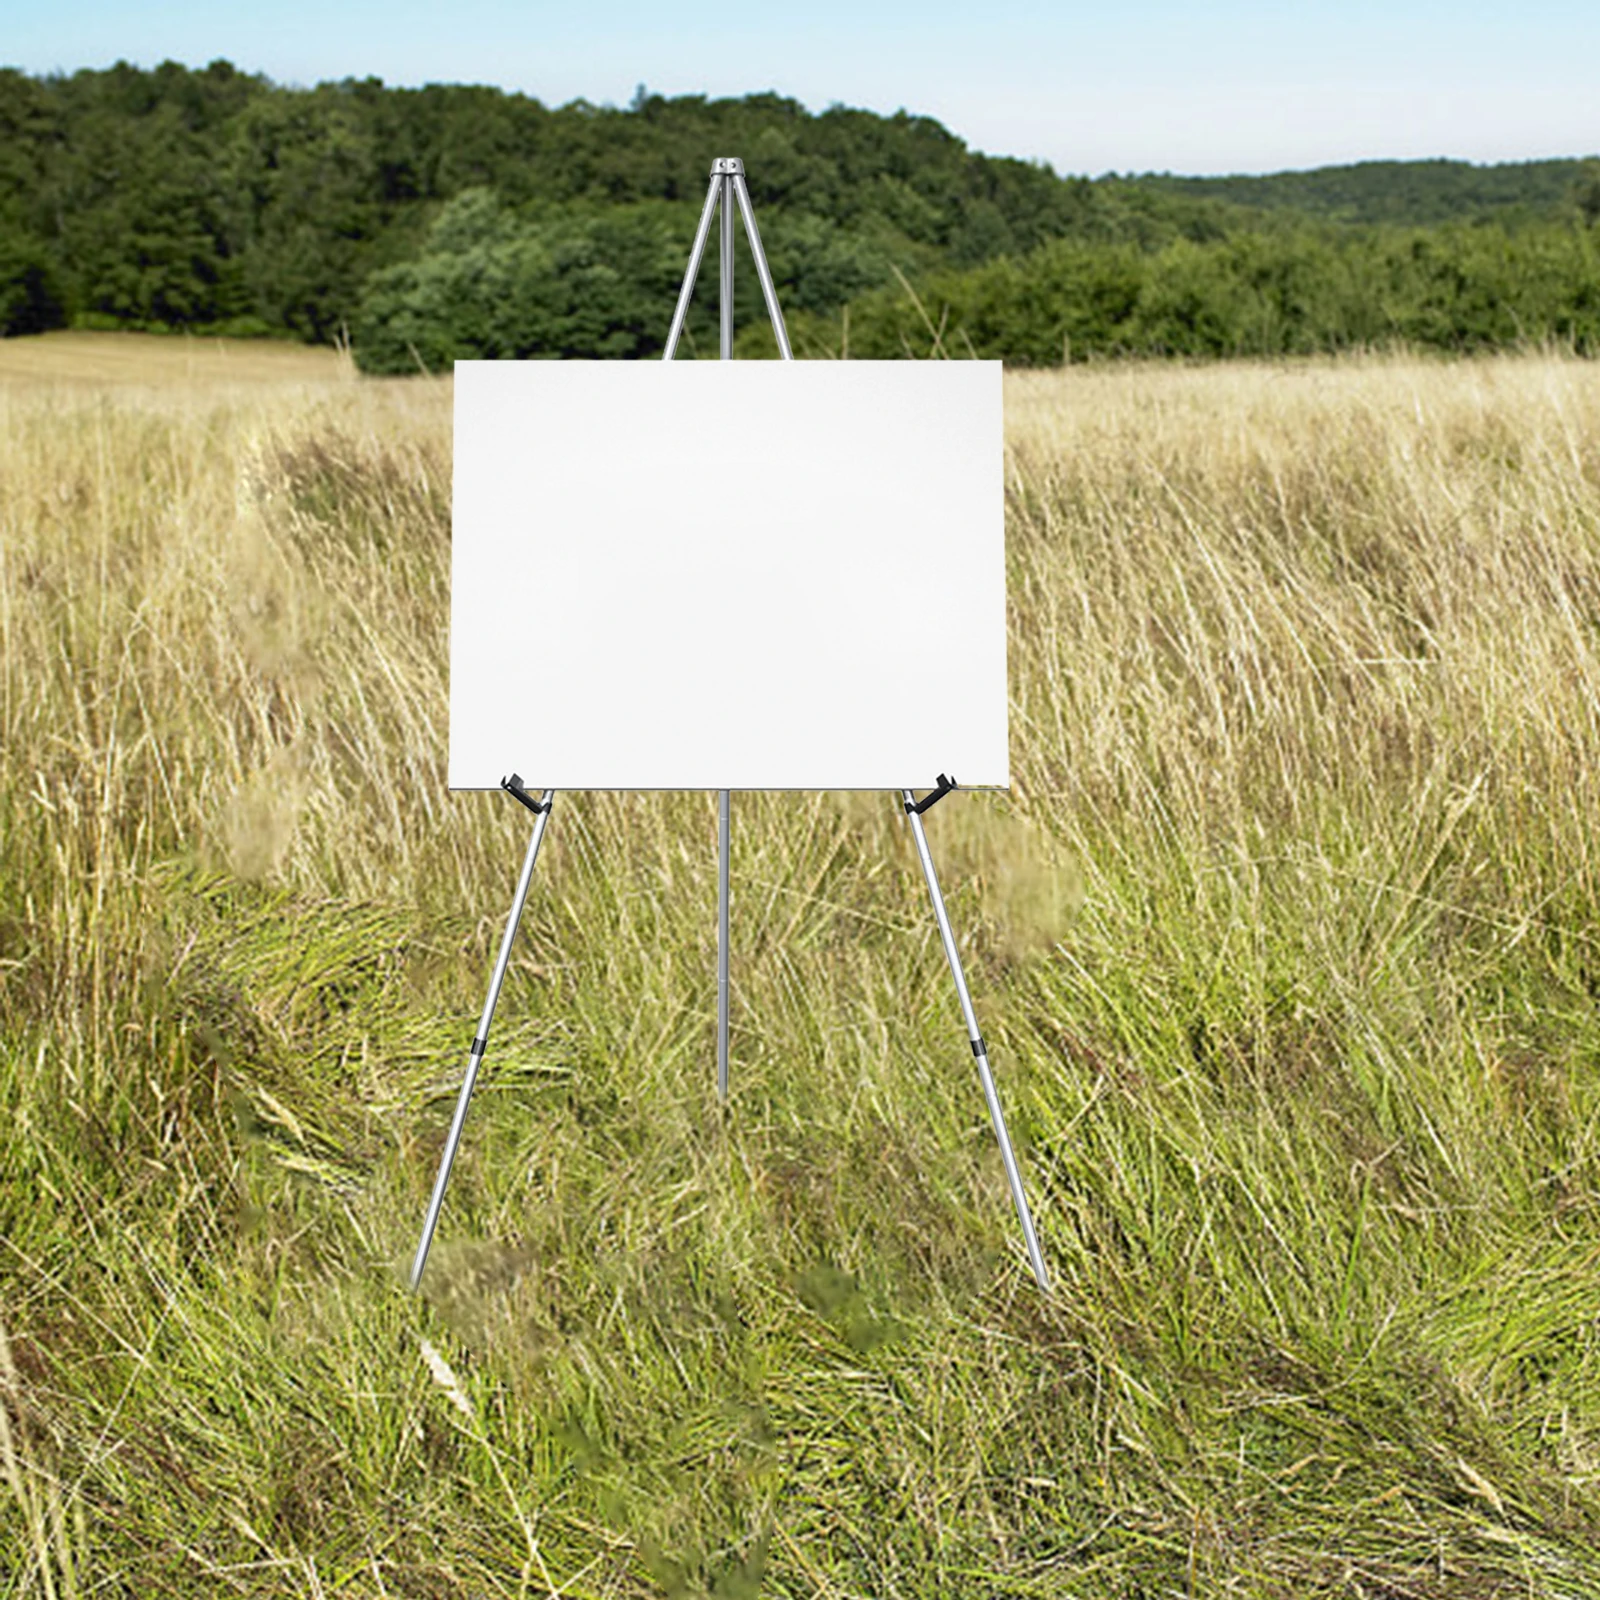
945	786
513	787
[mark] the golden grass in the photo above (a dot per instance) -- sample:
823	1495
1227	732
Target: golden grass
160	361
1285	946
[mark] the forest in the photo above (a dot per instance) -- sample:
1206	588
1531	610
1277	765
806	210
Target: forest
422	225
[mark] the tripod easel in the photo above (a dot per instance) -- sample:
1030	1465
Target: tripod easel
727	191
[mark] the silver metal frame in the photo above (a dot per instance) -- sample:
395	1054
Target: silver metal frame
481	1043
979	1049
727	192
723	809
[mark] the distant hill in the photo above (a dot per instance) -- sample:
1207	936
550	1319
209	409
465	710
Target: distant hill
1411	193
459	220
214	198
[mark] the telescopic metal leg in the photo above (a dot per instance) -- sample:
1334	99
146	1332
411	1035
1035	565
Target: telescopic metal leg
702	233
768	293
978	1048
725	286
725	307
722	945
481	1043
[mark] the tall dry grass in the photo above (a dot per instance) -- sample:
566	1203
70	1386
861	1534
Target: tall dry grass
1284	944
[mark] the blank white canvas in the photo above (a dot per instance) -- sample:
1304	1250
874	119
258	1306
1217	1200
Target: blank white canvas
728	575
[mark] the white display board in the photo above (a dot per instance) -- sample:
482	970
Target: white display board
728	575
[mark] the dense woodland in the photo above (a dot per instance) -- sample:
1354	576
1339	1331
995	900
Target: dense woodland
427	224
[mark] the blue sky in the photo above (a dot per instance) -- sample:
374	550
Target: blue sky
1147	85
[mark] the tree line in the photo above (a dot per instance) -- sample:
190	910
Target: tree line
1295	290
457	220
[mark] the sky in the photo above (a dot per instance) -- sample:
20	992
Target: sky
1136	86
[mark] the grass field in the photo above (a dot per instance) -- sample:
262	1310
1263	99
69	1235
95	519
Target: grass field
1285	946
167	364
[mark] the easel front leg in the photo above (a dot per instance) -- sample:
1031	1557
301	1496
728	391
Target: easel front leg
481	1042
996	1116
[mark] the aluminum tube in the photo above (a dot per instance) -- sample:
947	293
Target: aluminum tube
768	292
727	270
686	293
726	304
479	1044
996	1116
722	944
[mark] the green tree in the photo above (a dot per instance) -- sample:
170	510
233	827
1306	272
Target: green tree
31	300
572	282
1586	192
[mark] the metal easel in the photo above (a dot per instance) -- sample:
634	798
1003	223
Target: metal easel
727	191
